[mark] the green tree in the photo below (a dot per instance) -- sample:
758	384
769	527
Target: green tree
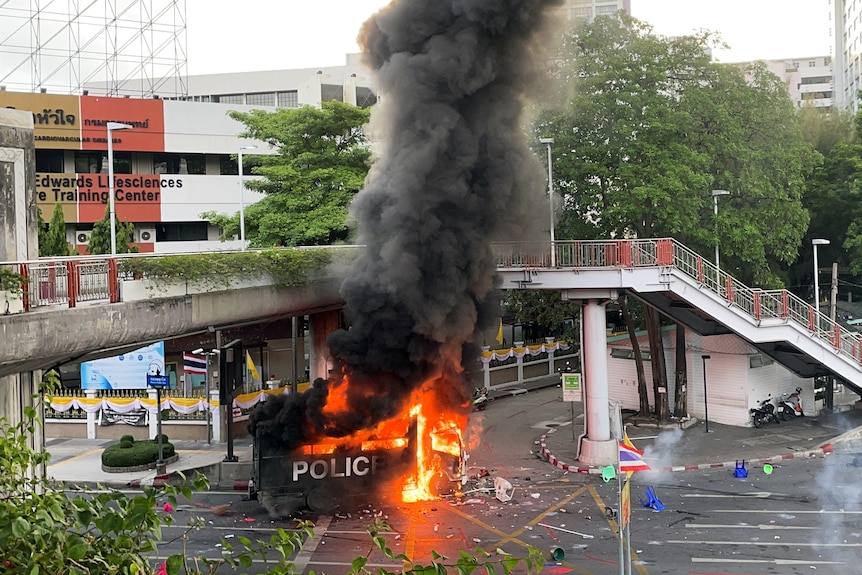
322	160
52	242
100	239
646	126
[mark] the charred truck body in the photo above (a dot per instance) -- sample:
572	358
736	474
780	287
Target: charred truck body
345	473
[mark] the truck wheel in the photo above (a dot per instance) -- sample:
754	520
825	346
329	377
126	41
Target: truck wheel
321	500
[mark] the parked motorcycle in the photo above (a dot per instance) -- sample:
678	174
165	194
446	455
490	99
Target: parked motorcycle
480	399
764	413
790	405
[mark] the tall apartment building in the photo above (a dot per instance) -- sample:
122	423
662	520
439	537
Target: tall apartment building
809	80
847	57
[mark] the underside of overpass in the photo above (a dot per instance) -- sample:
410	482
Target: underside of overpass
41	340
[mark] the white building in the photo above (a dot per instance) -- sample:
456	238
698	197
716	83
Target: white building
808	80
589	9
847	57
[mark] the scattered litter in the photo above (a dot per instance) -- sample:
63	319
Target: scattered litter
584	535
250	520
767	469
740	472
503	490
229	536
535	495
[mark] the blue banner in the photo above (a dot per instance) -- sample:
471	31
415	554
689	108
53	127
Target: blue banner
127	371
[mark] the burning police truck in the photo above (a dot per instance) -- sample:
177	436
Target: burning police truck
402	459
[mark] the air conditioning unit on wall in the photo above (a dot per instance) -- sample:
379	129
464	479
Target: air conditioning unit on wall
145	235
82	237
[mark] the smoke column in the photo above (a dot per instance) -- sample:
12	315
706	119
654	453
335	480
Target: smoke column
454	174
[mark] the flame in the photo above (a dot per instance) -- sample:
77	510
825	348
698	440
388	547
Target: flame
439	435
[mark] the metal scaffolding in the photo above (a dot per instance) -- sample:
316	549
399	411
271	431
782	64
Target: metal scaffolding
106	47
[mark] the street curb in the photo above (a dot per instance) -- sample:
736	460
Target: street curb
823	450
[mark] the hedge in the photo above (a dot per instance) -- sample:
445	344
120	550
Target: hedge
143	452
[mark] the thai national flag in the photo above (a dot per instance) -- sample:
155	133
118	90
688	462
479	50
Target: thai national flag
631	459
194	364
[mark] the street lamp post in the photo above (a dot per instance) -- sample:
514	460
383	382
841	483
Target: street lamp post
242	198
548	142
111	127
705	403
715	194
817	242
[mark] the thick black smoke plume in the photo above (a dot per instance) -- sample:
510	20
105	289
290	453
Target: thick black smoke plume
455	173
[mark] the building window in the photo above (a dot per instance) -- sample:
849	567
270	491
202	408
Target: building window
623	353
179	164
260	99
228	99
365	98
287	99
97	162
181	232
605	10
50	161
759	361
331	92
578	13
816	80
228	165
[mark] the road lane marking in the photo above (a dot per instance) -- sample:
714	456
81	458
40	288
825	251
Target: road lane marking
766	561
761	526
762	543
303	558
748	495
787	511
75	458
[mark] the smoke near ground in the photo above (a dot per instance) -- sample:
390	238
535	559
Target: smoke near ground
454	174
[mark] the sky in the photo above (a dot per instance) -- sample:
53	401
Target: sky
231	36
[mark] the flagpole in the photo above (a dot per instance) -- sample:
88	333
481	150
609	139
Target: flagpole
620	508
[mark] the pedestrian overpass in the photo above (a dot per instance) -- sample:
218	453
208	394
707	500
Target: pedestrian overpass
694	292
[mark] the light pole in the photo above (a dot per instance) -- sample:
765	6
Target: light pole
705	403
548	142
817	242
715	194
111	127
242	198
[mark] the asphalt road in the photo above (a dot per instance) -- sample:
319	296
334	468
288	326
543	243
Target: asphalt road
804	516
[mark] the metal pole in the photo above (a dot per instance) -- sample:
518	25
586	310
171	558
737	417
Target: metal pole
705	402
111	211
619	514
161	461
207	399
715	211
551	203
241	205
816	293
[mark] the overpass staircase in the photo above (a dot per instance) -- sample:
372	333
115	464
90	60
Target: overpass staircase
694	292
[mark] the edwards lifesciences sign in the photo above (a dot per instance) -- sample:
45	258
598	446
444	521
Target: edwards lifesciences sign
84	197
79	123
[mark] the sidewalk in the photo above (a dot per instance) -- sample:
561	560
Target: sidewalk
672	449
78	462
